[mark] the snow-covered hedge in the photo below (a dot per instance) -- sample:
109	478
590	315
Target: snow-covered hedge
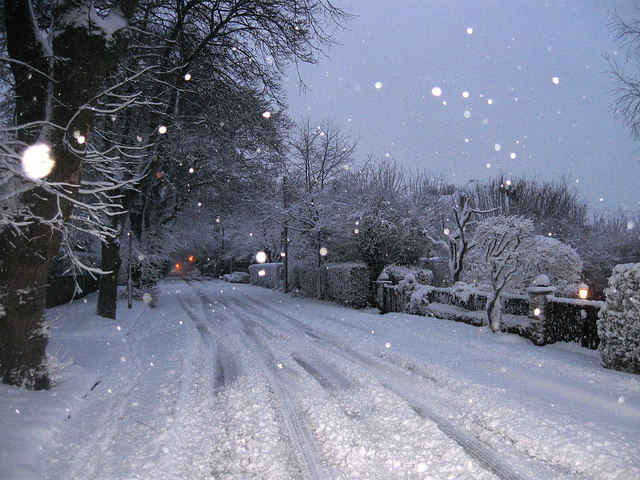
266	274
303	278
397	273
619	322
346	283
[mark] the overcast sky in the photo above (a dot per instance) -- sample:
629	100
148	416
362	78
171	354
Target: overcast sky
538	103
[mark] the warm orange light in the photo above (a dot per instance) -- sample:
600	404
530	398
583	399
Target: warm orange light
583	291
191	258
177	266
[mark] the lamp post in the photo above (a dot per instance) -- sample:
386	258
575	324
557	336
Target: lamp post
285	236
129	279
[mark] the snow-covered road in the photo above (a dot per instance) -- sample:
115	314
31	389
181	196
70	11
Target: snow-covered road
227	381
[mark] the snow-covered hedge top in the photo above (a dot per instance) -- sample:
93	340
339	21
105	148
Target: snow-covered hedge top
398	273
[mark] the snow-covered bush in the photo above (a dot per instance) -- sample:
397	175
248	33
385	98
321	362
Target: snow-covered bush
553	258
266	274
398	272
237	277
619	322
418	300
346	283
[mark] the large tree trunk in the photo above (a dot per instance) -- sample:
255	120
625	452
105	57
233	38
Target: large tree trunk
80	59
24	271
108	289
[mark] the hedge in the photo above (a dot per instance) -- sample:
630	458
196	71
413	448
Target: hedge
268	275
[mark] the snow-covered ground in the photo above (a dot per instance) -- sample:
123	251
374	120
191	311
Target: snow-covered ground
223	381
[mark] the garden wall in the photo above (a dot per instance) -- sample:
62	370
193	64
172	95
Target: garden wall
566	319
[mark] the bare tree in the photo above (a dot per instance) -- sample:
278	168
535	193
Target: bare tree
627	90
554	206
318	155
217	65
456	242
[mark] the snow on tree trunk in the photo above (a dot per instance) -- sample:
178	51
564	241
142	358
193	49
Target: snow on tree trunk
494	311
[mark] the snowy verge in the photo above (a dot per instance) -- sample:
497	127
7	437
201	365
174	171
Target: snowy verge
34	419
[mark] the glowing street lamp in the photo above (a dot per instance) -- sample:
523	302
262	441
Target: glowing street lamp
261	257
191	258
583	291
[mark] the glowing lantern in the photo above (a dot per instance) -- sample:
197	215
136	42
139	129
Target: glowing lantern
583	291
191	258
177	266
261	257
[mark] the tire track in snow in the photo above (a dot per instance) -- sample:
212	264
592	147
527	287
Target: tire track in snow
226	369
399	380
304	449
227	363
205	336
328	377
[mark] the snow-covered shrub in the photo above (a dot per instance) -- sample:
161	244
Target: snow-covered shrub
619	322
347	283
397	273
406	289
237	277
266	274
418	300
555	259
